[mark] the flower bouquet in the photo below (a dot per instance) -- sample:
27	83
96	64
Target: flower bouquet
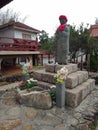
62	75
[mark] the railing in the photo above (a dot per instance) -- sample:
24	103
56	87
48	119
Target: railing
16	44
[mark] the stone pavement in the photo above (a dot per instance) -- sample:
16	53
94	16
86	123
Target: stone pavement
14	116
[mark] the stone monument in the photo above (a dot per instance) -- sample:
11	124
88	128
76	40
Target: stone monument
62	41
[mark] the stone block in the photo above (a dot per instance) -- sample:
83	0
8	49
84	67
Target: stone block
37	75
85	88
71	81
92	84
82	76
35	99
44	85
73	97
71	67
85	75
42	75
48	77
74	67
76	95
50	68
58	67
76	78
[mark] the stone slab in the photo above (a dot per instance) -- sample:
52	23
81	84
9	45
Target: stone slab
37	75
76	95
72	80
41	75
48	77
50	68
45	85
71	67
76	78
53	68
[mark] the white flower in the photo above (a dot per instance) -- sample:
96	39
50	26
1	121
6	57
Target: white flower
53	86
31	79
28	81
62	74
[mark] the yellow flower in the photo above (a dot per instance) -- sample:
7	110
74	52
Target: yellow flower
61	74
60	80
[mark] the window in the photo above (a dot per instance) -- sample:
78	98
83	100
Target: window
26	36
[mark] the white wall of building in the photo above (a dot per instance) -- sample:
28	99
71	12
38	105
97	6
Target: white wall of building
18	34
8	32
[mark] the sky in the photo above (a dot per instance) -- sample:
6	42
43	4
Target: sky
44	14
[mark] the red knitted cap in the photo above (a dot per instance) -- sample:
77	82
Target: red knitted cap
63	17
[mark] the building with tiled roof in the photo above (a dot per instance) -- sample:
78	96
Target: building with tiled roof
94	30
18	30
18	43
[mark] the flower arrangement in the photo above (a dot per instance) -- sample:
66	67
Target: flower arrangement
62	74
28	84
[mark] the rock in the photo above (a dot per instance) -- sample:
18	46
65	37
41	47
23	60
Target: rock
9	124
31	113
27	127
37	99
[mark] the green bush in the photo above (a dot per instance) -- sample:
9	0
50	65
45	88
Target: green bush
53	94
94	61
29	85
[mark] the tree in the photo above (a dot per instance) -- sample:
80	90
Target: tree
46	43
43	37
9	15
80	39
74	43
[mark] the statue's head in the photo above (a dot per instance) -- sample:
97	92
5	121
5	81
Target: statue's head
63	19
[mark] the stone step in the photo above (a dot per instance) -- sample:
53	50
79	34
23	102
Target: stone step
42	75
8	87
73	97
45	85
53	68
72	80
76	78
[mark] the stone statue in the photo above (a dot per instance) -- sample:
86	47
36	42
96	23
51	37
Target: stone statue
62	41
96	21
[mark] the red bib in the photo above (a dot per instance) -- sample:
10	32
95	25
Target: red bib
61	27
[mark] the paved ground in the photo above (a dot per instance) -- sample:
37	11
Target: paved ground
14	116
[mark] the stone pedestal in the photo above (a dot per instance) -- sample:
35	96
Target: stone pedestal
60	94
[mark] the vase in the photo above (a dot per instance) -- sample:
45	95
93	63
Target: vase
60	94
25	77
